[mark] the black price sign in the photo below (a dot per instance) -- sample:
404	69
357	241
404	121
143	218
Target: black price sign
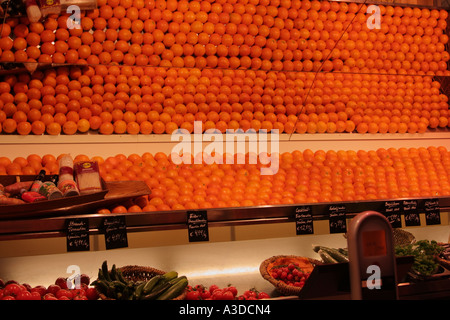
115	229
197	226
432	212
392	211
77	234
337	218
303	220
411	212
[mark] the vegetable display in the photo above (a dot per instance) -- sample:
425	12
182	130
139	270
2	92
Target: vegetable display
425	253
112	284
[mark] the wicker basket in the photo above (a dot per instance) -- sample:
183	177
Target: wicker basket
140	273
443	262
281	286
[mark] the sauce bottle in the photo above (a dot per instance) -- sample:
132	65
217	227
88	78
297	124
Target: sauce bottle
50	190
36	185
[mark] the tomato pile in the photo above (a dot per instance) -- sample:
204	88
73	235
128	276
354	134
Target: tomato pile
13	290
290	274
214	292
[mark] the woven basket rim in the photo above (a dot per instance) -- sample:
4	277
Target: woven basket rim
129	270
280	285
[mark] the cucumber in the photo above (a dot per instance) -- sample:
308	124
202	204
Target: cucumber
105	271
138	291
150	284
175	290
334	253
113	272
327	258
154	294
170	275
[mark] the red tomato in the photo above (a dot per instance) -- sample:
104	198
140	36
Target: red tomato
35	295
64	293
24	295
213	287
192	295
92	294
13	289
227	295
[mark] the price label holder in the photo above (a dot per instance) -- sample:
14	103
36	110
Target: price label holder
337	218
303	220
77	238
115	229
197	222
432	212
392	211
411	212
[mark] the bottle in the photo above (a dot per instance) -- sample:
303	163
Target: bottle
36	185
66	183
50	190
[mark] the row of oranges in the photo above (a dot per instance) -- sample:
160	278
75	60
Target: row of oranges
302	177
158	100
293	36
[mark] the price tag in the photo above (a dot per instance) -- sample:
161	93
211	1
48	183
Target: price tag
197	226
411	212
392	211
77	234
303	220
337	218
432	212
115	229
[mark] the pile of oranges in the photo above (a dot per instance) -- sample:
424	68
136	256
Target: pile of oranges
288	35
297	66
145	100
302	177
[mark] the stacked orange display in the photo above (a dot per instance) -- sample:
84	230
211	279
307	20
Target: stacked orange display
298	66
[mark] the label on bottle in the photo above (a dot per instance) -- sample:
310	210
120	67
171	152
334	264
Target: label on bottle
36	186
49	190
68	188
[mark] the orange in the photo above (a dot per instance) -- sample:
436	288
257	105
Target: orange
53	128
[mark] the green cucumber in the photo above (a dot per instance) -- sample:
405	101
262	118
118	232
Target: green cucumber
138	291
150	284
105	271
326	257
338	256
154	294
175	290
170	275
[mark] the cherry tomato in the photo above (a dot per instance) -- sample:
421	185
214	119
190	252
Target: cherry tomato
92	294
232	289
205	294
227	295
263	295
213	287
13	289
193	295
35	295
64	293
24	295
